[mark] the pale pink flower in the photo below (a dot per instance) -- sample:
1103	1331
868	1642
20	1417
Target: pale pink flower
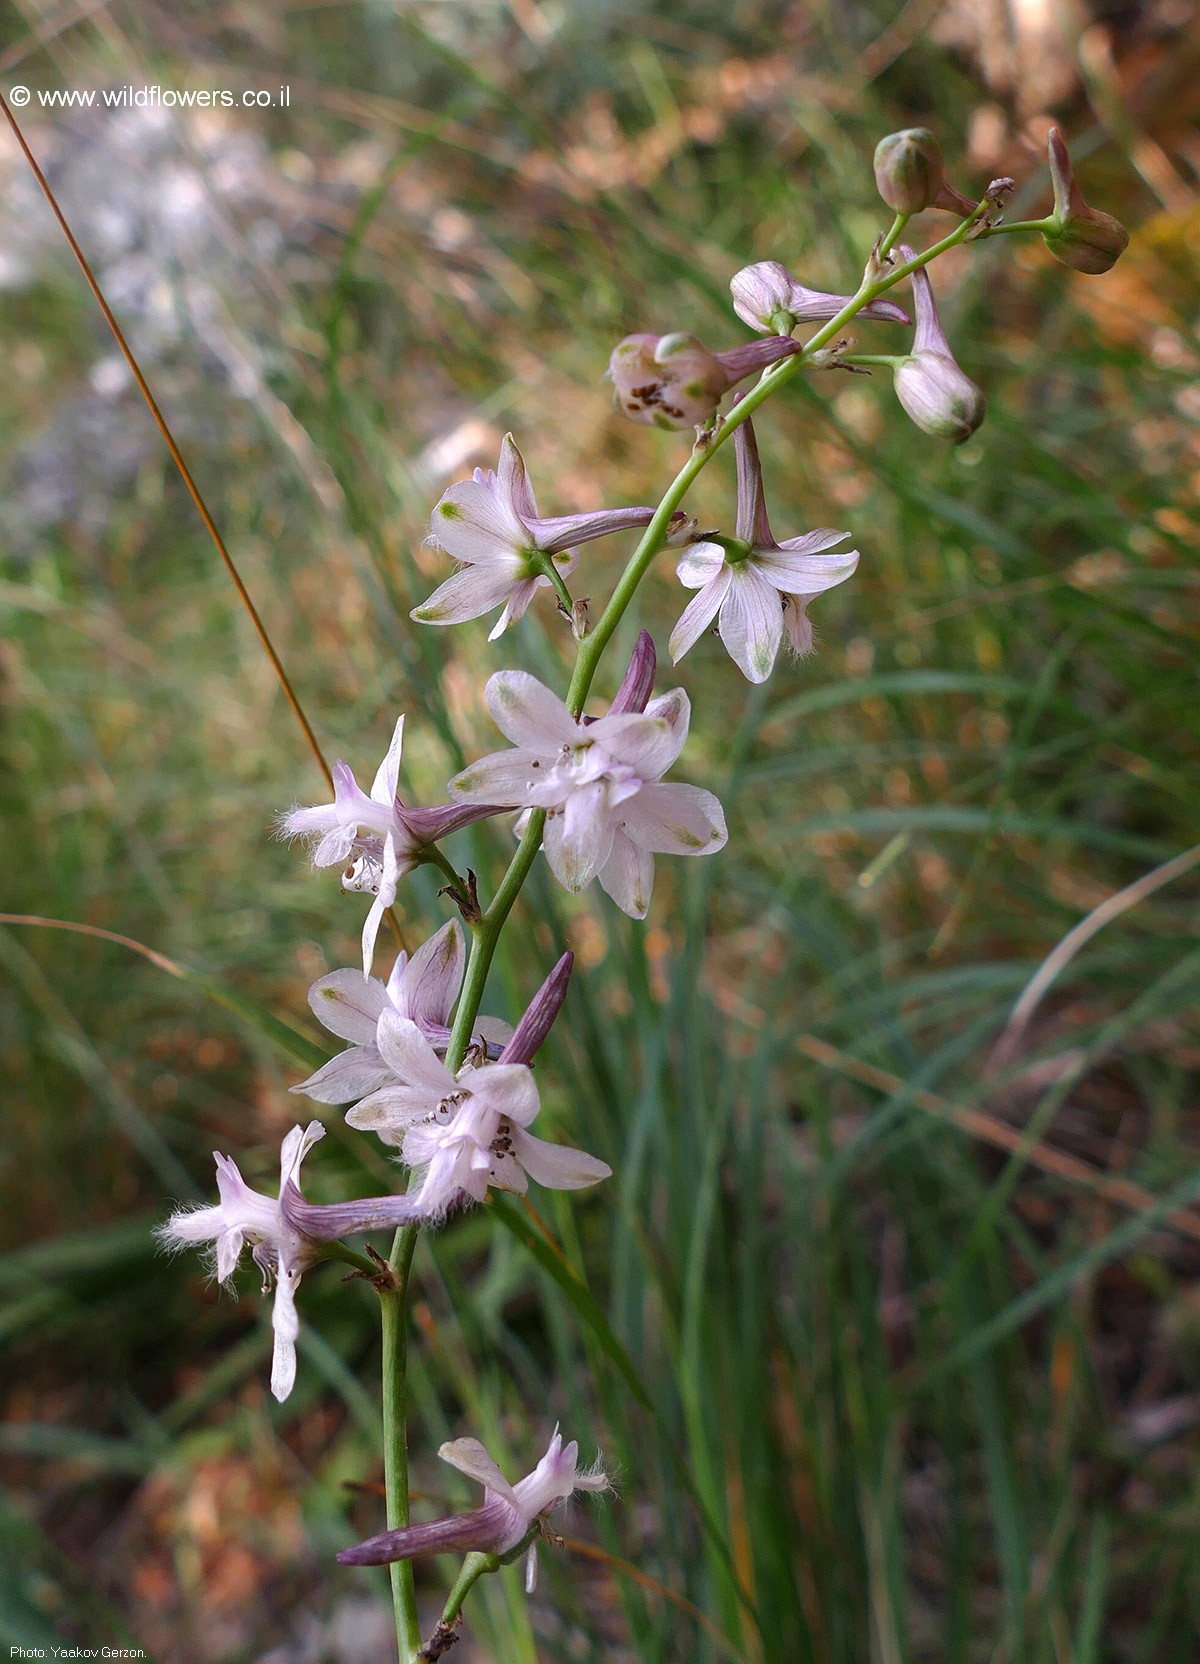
491	526
600	781
281	1251
379	836
508	1515
768	298
423	988
463	1131
754	587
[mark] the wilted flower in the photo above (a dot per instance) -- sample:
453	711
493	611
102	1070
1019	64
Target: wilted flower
508	1515
758	587
938	396
608	811
490	524
909	170
1084	238
768	298
281	1251
423	988
396	839
674	381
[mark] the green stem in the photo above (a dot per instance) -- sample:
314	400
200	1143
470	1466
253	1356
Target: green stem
1048	224
360	1262
434	857
474	1567
544	564
894	233
393	1307
485	937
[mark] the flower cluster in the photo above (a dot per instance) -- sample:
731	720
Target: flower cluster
449	1091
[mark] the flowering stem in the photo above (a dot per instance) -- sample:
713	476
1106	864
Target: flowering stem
393	1307
486	934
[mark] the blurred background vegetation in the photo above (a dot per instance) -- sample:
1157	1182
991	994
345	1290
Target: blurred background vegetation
919	1357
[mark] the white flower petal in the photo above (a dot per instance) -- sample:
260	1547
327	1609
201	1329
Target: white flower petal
519	597
699	564
295	1147
674	819
646	743
698	614
229	1247
804	572
528	714
557	1166
409	1055
507	1089
628	875
469	593
797	625
474	524
514	481
578	840
334	848
502	777
383	787
348	1004
469	1457
752	623
286	1325
349	1075
391	1109
428	986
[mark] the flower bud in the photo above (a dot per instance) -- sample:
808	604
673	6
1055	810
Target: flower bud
1083	238
939	397
667	381
909	170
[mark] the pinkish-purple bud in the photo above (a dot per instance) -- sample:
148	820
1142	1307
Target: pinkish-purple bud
909	171
538	1020
1084	238
638	681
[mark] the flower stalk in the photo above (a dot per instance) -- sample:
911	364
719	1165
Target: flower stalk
393	1310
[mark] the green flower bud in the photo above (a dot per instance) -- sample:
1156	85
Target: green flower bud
1084	238
909	170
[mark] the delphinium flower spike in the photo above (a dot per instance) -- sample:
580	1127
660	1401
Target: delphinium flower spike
423	988
381	837
600	781
768	298
508	1515
506	551
939	397
281	1251
754	587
